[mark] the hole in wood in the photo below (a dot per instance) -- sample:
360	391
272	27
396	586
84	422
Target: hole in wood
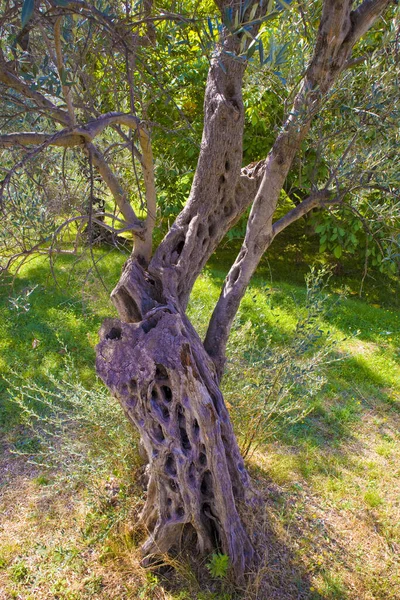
161	372
202	459
166	392
216	403
180	511
157	406
115	333
206	484
228	210
185	442
149	325
192	472
173	485
221	182
235	275
159	434
230	91
211	523
170	466
169	501
227	165
132	386
196	429
177	251
132	312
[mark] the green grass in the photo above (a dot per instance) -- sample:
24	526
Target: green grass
329	480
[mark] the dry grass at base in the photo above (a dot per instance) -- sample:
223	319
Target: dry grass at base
333	534
47	549
340	525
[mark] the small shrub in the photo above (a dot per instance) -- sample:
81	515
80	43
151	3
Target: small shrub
78	430
218	565
19	572
373	499
279	383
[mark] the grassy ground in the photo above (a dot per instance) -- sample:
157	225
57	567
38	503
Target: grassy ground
327	526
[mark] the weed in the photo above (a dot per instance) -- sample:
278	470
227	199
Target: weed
372	498
41	480
279	384
218	565
19	572
146	591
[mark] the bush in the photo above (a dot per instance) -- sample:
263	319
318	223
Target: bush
75	429
279	384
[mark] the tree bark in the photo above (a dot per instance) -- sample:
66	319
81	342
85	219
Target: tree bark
167	386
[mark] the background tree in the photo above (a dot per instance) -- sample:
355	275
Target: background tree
62	73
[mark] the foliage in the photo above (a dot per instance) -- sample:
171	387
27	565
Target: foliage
168	89
218	565
281	382
62	415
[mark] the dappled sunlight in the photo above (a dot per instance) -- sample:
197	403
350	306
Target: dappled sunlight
327	524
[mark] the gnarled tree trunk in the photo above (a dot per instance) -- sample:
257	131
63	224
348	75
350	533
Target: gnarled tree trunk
167	385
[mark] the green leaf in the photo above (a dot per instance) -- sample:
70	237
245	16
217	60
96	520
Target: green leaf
27	11
253	11
210	27
218	565
280	58
337	251
251	49
261	52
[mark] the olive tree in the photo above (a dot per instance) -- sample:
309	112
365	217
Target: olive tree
152	359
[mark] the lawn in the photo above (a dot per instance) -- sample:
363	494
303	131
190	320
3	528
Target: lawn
327	524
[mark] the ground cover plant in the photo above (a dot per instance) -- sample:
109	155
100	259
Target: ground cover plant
329	519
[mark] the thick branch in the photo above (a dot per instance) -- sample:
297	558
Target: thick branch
318	199
119	195
77	136
365	16
330	57
63	139
211	207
